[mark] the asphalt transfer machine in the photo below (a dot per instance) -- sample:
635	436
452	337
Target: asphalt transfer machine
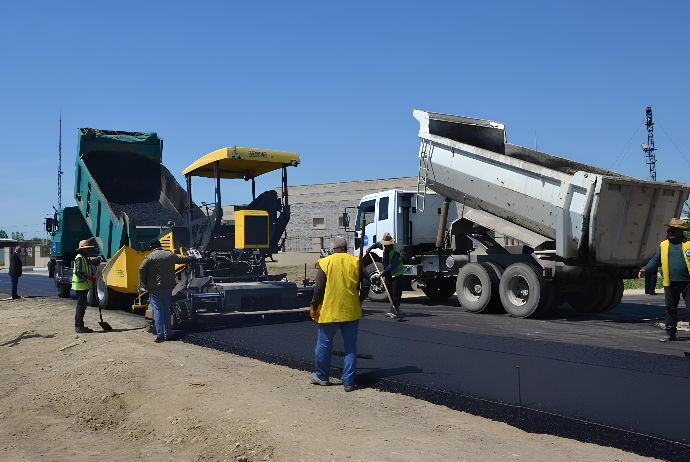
230	278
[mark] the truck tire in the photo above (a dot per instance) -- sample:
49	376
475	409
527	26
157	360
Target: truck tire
108	299
617	284
523	290
439	289
64	289
593	300
92	296
377	293
477	287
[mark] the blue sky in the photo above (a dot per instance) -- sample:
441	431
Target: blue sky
334	82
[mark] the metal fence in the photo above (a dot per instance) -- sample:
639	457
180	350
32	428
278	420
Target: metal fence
313	243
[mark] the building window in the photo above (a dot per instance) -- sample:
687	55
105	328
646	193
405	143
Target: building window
383	208
318	223
341	223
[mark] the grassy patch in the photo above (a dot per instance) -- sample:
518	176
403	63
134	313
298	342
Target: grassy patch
639	283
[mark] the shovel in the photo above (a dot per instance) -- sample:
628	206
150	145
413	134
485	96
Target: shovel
104	325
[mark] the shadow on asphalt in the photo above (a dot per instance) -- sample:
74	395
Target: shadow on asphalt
371	378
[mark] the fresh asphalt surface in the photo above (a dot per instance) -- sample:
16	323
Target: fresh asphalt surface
600	378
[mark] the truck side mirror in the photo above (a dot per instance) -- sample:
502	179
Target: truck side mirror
346	220
49	225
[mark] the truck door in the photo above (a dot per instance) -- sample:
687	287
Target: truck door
369	208
385	218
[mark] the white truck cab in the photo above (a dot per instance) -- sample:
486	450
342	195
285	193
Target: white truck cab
394	211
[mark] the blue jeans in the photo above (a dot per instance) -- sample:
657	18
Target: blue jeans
324	348
160	304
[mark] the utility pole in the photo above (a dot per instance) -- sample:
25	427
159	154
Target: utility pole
649	147
60	164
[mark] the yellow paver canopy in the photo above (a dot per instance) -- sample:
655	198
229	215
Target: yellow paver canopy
241	162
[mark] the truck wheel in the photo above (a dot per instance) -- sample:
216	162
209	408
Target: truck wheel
180	316
92	297
107	297
523	290
591	301
617	286
377	293
64	290
477	287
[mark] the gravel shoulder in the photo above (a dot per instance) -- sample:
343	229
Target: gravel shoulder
119	396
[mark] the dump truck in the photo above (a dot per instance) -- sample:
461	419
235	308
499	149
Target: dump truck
125	197
585	228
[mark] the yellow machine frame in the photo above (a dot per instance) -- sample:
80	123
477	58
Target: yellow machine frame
240	229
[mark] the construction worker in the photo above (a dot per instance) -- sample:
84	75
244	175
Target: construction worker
337	304
81	284
157	276
392	270
673	255
15	271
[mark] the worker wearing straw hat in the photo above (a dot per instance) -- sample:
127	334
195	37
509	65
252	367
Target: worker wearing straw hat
673	255
81	284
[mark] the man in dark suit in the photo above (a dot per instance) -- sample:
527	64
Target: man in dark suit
15	270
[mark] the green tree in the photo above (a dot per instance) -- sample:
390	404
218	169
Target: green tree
3	234
17	236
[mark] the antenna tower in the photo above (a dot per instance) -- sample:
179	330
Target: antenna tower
649	147
60	165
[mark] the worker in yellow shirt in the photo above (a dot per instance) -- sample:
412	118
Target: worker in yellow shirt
673	255
337	304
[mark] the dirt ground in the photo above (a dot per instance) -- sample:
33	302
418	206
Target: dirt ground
118	396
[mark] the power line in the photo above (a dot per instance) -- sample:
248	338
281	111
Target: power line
674	144
624	152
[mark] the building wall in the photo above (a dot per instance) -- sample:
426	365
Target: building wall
327	202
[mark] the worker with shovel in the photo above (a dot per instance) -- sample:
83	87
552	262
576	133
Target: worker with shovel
392	270
81	284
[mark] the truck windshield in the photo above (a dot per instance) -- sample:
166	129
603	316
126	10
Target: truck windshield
368	207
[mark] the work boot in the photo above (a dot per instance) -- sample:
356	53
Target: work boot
317	381
671	337
83	330
159	340
349	388
400	313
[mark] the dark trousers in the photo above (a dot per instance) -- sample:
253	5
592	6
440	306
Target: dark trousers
650	283
15	281
81	308
672	295
394	285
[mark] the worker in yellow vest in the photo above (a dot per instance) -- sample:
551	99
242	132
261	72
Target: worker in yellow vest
337	304
673	255
81	284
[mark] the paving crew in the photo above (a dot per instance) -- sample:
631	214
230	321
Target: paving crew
673	255
15	270
157	276
81	283
337	304
392	270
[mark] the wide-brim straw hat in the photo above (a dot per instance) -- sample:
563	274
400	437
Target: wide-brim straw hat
84	245
676	223
387	239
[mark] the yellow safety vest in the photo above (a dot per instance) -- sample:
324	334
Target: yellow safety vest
664	259
77	282
341	300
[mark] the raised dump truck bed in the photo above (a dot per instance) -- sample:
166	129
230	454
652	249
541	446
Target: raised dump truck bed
125	193
587	215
